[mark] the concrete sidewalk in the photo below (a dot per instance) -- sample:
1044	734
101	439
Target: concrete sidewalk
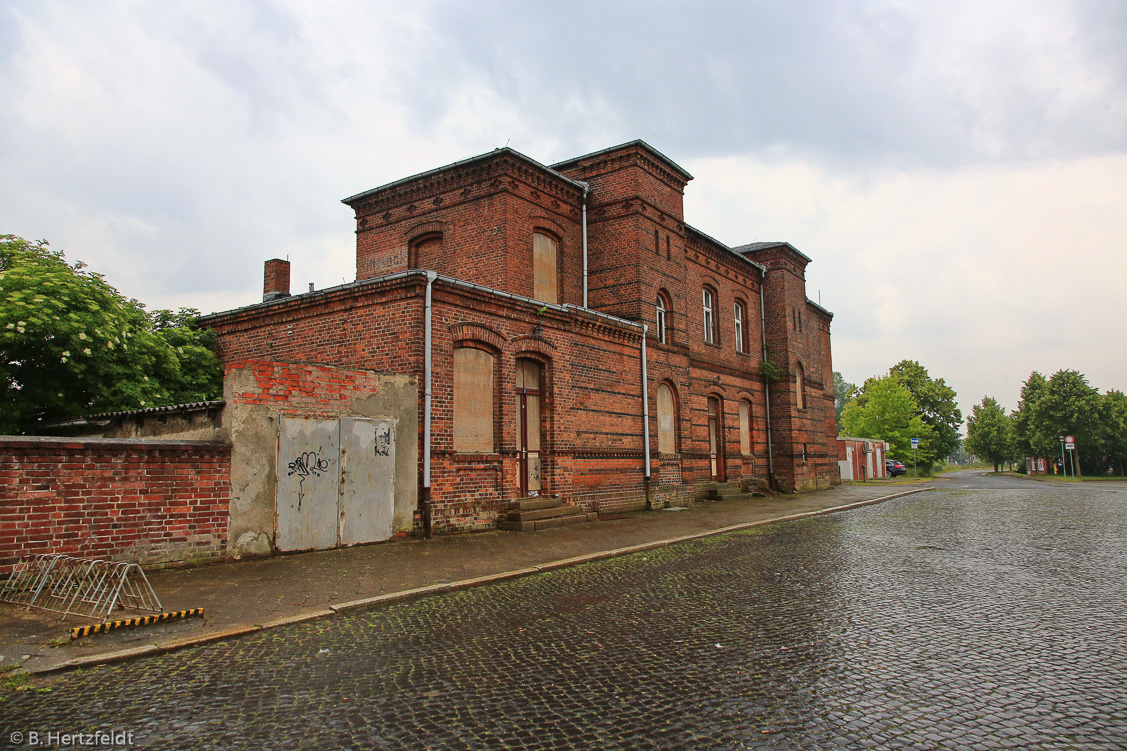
246	596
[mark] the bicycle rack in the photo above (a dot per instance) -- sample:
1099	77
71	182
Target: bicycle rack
81	587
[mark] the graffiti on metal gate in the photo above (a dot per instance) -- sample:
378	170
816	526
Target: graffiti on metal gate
307	464
383	440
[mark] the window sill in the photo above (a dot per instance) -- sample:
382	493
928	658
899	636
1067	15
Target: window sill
471	458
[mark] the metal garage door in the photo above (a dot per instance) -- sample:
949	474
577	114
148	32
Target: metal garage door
336	481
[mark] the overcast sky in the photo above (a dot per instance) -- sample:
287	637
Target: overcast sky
956	170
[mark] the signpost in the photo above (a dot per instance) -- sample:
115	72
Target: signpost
915	445
1069	443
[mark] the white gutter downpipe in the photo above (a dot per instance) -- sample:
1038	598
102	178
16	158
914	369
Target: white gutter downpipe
646	411
645	415
586	187
427	394
766	382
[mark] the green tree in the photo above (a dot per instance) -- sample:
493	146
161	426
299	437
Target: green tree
843	393
1031	392
1115	430
936	402
886	410
1069	406
198	375
990	433
70	344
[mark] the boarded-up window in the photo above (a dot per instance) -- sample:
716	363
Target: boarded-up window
544	268
473	400
666	420
800	386
745	427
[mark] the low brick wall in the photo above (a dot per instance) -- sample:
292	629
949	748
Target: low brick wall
146	501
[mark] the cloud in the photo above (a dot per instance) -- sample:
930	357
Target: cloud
982	274
850	83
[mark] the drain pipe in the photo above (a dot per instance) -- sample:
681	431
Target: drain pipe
646	412
766	382
428	365
586	188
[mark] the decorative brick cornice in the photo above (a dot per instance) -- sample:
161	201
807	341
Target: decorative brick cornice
636	153
490	173
634	206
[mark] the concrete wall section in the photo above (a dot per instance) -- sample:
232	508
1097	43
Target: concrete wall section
258	393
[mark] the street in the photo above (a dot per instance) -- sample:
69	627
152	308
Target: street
987	613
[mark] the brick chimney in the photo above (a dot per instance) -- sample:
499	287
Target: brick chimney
276	282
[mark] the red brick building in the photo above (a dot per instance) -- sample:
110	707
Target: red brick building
570	335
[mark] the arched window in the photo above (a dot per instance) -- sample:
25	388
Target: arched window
709	305
473	401
544	268
666	420
662	326
745	428
740	316
800	386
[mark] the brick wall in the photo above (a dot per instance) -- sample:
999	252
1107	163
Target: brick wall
485	211
149	502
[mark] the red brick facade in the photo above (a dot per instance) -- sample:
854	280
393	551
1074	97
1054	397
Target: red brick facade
473	223
130	500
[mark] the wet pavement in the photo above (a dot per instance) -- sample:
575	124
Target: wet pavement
986	614
247	596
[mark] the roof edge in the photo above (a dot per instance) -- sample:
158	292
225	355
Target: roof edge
755	247
502	151
733	251
636	142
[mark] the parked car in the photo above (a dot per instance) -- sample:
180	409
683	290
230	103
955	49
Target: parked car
893	468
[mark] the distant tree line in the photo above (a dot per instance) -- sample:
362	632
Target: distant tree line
71	345
1048	410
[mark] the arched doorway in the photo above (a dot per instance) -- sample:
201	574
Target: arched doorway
716	438
529	391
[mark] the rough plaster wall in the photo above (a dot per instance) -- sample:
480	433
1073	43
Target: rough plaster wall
254	455
254	437
173	428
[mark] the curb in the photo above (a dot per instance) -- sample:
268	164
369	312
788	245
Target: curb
434	589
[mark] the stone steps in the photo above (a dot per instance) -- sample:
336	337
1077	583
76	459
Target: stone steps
724	491
531	514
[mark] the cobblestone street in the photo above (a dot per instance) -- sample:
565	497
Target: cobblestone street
989	613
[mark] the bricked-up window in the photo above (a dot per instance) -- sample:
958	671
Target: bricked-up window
544	268
662	319
666	420
473	401
710	336
745	427
800	386
741	326
426	253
